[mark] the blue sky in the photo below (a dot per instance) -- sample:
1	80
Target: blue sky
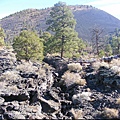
8	7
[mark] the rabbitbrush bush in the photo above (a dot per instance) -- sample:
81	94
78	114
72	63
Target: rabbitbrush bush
110	113
118	101
74	67
70	77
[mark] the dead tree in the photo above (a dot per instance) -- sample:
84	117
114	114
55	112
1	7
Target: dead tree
97	41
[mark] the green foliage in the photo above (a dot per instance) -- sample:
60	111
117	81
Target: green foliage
28	46
114	40
47	40
108	50
62	23
116	45
101	53
2	36
46	36
60	17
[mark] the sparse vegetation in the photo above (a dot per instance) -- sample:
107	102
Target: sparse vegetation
26	67
2	36
74	67
97	65
115	62
118	101
13	88
77	114
70	77
115	69
81	82
110	113
9	76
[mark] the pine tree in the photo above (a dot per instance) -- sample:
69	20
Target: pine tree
114	40
28	46
62	23
46	36
108	50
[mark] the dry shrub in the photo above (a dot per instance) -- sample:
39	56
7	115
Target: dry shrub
73	78
2	84
115	69
97	65
118	101
77	114
46	66
81	96
110	113
9	75
13	88
115	62
26	67
42	72
74	67
81	82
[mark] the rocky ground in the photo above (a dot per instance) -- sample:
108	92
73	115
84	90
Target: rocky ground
56	89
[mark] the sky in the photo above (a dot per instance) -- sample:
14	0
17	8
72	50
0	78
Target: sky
8	7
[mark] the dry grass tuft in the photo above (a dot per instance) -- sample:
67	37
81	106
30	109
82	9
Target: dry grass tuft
47	66
115	62
110	113
42	72
74	67
13	88
73	78
118	101
97	65
115	69
9	75
77	114
81	82
26	67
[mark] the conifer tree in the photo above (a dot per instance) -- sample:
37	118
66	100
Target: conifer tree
28	46
108	50
116	44
114	41
46	36
62	23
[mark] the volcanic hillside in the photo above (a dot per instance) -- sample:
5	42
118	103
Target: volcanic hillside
87	17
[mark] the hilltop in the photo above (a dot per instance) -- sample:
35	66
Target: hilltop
87	17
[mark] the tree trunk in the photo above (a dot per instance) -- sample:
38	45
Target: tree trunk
97	44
